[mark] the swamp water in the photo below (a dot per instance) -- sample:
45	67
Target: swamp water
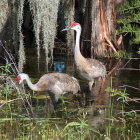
82	113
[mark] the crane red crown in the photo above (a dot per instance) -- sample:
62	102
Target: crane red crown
74	24
18	78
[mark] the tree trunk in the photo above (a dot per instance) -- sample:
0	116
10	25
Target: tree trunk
86	33
99	28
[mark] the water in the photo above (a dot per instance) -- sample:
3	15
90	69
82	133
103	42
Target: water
121	76
95	104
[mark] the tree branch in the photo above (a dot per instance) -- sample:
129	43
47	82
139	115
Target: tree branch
8	102
131	8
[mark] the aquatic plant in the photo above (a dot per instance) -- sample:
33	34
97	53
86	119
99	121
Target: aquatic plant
9	86
5	70
70	122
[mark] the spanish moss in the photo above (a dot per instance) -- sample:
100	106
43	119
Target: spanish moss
35	10
21	46
3	14
45	22
69	19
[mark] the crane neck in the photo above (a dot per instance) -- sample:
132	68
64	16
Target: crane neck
29	83
77	45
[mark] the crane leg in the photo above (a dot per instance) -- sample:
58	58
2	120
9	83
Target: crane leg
90	85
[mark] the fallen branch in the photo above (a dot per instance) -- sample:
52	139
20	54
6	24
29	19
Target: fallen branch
129	112
128	69
130	87
109	42
126	63
8	102
114	68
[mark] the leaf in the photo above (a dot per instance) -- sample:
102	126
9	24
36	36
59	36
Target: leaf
71	124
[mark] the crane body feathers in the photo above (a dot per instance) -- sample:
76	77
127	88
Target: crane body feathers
55	84
87	68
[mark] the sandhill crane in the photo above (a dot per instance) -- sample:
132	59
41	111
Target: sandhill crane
55	84
88	69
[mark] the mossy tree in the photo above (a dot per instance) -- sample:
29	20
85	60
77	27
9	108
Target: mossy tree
44	17
97	17
99	28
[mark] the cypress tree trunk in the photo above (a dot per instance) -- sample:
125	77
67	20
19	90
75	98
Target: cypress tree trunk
100	28
86	32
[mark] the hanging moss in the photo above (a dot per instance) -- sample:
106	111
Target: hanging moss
44	15
13	5
21	46
68	8
8	21
3	15
49	24
35	10
11	19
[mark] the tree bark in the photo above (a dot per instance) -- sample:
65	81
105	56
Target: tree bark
99	28
86	32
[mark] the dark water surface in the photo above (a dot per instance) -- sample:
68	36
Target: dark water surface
95	104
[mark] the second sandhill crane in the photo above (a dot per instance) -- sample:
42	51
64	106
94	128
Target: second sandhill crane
55	84
88	69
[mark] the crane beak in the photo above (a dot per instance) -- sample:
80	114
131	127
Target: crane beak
66	29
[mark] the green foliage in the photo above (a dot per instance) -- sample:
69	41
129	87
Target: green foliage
120	54
122	94
130	20
83	130
123	54
121	125
5	70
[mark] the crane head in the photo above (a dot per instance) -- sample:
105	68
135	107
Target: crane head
75	26
21	77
